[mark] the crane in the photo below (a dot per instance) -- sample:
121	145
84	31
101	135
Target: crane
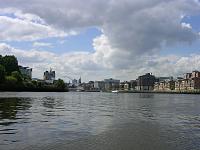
68	77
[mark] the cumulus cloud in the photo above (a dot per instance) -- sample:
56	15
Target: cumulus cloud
71	64
90	68
16	13
19	26
139	26
133	32
14	29
42	44
186	25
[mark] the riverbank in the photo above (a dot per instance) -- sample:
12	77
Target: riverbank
163	92
66	90
35	90
33	86
31	89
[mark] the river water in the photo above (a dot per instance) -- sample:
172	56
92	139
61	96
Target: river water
99	121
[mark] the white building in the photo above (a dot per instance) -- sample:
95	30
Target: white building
99	85
111	84
49	76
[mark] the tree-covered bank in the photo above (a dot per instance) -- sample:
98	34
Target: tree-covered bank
11	79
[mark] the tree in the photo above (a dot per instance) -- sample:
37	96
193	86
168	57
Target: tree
60	84
11	81
26	77
29	85
17	75
2	73
1	60
10	63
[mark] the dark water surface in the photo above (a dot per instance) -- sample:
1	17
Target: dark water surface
99	121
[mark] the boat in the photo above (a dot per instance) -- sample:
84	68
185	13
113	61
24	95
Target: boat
115	91
79	89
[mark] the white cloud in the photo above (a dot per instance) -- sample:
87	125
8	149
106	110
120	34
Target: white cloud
22	30
138	26
133	33
42	44
19	26
186	25
16	13
61	41
89	65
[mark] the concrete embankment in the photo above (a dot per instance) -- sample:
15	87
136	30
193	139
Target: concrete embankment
163	92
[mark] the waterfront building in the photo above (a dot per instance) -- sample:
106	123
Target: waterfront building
88	86
167	85
170	78
49	76
111	84
146	82
125	86
133	84
178	82
187	75
79	81
185	85
99	85
74	83
121	86
156	86
191	81
164	84
26	71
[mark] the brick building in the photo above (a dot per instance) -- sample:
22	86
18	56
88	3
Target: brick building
146	82
191	81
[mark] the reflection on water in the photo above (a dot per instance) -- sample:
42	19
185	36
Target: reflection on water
49	102
52	102
146	95
9	108
37	119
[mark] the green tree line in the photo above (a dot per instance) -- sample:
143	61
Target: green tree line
11	78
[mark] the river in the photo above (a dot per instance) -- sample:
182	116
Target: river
99	121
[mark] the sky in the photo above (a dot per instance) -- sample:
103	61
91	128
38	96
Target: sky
95	39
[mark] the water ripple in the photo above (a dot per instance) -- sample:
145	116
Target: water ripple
45	118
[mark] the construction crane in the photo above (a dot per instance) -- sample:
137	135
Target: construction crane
74	81
68	77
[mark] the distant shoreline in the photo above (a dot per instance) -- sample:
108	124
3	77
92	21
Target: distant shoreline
34	90
163	92
149	92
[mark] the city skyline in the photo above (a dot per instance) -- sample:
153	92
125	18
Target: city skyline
103	39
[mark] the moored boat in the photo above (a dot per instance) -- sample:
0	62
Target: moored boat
115	91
